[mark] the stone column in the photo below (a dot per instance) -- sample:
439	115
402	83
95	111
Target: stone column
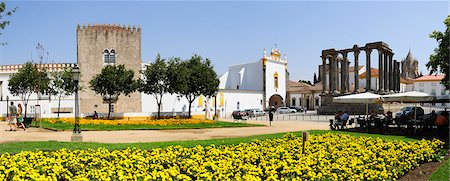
331	73
380	71
324	74
356	71
336	71
347	75
344	73
397	69
385	72
391	73
368	74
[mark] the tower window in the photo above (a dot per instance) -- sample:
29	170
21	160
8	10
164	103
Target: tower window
109	56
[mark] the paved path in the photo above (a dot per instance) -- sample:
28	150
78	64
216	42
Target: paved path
36	134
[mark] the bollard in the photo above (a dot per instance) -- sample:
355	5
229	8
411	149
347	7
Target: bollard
305	136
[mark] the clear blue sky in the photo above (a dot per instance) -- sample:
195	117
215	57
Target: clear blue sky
230	32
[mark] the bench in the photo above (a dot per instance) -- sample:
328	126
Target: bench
238	118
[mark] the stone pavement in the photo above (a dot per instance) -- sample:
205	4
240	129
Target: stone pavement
37	134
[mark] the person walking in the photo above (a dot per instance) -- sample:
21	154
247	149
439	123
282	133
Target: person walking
19	117
12	117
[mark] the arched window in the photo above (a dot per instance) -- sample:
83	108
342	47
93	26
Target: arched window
293	102
112	56
106	56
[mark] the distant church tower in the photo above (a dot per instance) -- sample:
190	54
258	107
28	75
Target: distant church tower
100	45
410	67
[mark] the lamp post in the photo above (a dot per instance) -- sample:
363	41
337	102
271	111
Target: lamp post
76	136
7	108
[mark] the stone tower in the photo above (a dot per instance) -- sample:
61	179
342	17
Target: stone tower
410	67
100	45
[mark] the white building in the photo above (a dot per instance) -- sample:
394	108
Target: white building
431	84
256	84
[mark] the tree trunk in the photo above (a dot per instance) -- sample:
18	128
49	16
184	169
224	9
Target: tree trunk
159	110
59	105
26	105
189	113
109	109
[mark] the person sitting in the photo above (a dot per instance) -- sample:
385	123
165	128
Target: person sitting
343	119
442	122
337	121
95	116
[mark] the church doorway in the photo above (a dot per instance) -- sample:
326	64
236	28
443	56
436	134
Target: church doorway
276	101
307	103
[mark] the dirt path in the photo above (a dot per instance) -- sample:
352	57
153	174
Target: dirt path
36	134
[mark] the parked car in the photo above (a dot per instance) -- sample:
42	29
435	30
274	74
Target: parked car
409	112
298	109
238	113
258	112
249	112
283	110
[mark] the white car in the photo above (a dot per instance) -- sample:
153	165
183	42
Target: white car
283	110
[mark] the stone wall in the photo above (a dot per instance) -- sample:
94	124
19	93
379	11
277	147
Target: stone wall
91	42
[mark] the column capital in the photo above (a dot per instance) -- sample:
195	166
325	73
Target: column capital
380	51
368	50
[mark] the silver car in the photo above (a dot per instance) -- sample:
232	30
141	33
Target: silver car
284	110
258	112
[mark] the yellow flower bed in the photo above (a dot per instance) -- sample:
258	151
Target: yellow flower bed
327	157
158	122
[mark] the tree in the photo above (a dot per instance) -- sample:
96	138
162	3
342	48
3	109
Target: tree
195	77
305	81
156	80
3	13
62	84
315	78
439	60
28	80
112	82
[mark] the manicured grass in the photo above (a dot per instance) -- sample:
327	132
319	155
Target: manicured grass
54	145
101	127
443	172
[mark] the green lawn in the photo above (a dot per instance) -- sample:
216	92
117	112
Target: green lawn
101	127
54	145
442	173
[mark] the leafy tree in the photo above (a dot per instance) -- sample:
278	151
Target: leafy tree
112	82
3	13
195	77
305	81
28	80
156	80
62	84
439	60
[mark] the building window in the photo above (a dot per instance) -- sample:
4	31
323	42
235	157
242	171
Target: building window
293	101
421	84
421	90
237	87
109	56
433	91
433	84
106	56
112	56
275	79
237	105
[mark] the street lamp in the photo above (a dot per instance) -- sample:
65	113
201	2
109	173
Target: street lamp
76	136
7	107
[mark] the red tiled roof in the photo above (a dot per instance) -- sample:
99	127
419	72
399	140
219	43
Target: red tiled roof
429	78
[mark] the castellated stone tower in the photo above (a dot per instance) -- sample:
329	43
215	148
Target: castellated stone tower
99	45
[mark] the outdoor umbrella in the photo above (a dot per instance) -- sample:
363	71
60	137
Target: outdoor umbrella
363	98
413	97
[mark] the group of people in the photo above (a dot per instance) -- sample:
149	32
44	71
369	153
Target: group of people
15	119
340	120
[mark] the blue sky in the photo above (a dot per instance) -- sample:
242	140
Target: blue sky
230	32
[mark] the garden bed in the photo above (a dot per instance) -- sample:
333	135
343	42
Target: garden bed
327	156
65	124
